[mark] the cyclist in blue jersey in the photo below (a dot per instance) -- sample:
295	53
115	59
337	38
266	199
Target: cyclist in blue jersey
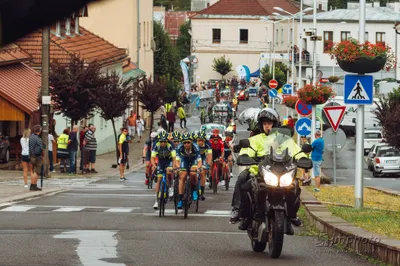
187	153
206	157
148	146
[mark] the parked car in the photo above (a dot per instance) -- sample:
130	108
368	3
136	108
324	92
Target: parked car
4	149
371	137
387	161
372	154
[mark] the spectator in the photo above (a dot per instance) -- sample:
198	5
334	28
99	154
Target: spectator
160	128
132	124
163	121
185	99
62	149
36	155
91	148
182	116
25	155
81	146
317	158
50	151
140	127
290	122
73	150
171	121
123	151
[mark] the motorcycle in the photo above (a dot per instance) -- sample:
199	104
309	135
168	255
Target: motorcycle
275	180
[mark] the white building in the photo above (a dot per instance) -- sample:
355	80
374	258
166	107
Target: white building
197	5
340	24
241	31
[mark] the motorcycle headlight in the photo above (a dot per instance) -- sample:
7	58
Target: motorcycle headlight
286	180
269	178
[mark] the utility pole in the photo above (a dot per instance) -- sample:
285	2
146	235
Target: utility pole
45	96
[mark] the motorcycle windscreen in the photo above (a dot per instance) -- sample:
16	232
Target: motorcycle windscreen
277	149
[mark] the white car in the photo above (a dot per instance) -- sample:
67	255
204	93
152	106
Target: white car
387	161
371	137
372	154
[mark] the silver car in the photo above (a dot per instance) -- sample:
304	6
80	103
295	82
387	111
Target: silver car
372	154
371	137
387	161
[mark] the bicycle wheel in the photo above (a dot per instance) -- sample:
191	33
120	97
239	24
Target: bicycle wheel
187	198
215	180
151	180
226	178
176	194
198	197
161	200
148	180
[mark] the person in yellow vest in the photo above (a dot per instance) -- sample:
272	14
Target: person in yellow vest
182	116
62	149
168	107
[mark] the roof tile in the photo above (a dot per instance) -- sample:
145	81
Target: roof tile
88	46
11	53
19	85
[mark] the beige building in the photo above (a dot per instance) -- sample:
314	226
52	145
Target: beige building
243	32
117	21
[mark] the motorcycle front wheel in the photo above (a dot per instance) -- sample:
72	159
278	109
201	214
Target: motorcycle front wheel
276	234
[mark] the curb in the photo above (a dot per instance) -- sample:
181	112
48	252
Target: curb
386	191
27	197
349	236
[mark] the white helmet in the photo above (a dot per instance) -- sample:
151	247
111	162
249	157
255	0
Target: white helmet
153	135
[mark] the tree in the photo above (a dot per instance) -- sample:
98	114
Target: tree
222	66
173	88
388	115
176	4
119	91
165	57
151	94
184	40
74	87
280	74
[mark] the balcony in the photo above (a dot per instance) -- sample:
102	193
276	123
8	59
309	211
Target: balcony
307	60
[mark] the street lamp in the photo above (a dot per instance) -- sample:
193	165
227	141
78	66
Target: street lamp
333	34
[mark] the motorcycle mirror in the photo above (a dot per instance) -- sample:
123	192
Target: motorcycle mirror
304	163
306	148
244	143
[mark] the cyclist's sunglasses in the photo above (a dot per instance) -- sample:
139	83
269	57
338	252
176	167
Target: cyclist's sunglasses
163	141
187	142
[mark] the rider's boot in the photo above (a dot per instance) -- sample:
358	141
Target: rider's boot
289	228
155	206
202	194
180	203
244	224
234	216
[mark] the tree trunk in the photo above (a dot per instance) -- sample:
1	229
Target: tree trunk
115	136
151	123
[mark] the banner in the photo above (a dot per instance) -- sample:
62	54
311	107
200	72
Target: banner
185	71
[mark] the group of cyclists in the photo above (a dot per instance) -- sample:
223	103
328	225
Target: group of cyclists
175	154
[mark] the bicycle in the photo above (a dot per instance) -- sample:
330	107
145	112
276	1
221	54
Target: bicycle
162	195
226	175
214	175
176	190
187	196
153	175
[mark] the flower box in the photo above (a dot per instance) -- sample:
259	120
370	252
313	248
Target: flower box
363	65
290	101
315	94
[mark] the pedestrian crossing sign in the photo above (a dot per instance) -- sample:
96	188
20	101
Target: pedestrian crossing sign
358	89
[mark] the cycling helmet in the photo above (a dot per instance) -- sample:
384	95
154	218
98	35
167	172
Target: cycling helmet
215	131
163	136
202	135
186	137
268	114
194	136
153	135
176	136
229	134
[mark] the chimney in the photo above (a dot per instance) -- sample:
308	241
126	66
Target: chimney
58	29
77	25
68	27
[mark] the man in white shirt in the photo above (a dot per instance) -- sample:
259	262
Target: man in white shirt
139	127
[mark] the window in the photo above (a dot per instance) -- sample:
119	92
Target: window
244	36
344	35
291	36
216	38
277	37
380	38
282	36
328	39
366	36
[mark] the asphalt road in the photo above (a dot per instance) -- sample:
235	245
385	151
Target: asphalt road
108	222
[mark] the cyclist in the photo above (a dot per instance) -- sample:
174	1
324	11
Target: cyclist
228	152
206	157
166	159
148	145
176	138
217	147
187	154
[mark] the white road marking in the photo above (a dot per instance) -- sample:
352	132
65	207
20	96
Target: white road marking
94	246
68	209
367	178
90	195
200	232
120	210
215	212
17	208
168	211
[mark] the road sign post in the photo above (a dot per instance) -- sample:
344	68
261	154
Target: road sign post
273	94
334	141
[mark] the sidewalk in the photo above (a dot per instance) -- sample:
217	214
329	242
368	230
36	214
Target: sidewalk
348	236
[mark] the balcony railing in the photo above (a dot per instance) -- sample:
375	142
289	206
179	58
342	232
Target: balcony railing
307	59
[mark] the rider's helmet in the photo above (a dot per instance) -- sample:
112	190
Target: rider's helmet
176	136
153	135
228	134
215	132
202	135
186	137
267	114
194	136
163	136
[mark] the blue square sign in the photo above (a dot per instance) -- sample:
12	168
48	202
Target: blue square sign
358	89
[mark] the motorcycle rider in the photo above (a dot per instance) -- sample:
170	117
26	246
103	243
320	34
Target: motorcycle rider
267	119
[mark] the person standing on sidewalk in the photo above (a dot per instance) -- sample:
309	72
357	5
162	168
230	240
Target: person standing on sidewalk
132	124
182	116
317	158
171	120
25	155
73	149
50	151
140	127
81	146
62	149
91	148
123	151
36	155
